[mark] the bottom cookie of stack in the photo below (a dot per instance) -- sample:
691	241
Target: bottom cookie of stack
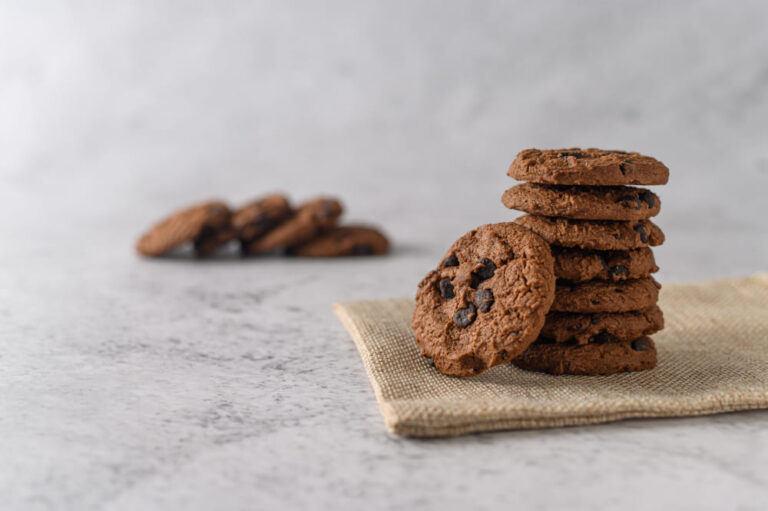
605	356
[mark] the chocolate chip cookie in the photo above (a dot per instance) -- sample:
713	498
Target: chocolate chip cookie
584	328
602	296
349	240
206	224
605	357
259	217
594	234
578	264
311	219
587	167
583	202
487	300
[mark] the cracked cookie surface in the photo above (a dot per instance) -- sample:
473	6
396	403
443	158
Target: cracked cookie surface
585	328
583	202
603	296
594	234
592	166
579	264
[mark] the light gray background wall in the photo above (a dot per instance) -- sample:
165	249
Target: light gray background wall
113	112
128	383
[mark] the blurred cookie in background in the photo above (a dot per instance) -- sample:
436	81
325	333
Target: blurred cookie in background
348	240
309	220
257	218
206	225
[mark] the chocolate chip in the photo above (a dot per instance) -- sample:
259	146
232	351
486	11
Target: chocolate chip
648	198
484	299
640	228
464	317
619	271
629	202
566	154
484	272
362	249
504	354
617	235
574	328
641	345
622	166
603	337
487	269
449	261
595	320
446	288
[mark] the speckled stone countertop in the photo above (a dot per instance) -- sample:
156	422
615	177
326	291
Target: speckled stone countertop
228	384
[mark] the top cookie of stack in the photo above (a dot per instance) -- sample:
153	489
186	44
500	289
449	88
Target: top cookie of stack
600	231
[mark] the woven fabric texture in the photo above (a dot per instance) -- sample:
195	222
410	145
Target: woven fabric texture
713	357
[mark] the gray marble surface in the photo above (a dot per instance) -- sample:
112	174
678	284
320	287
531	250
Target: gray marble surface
228	384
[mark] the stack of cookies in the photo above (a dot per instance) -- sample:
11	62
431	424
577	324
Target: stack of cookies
266	225
565	289
605	303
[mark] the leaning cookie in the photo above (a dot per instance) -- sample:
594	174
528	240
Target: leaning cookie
587	167
486	302
310	219
579	265
585	328
594	234
601	296
204	222
583	202
597	358
348	240
257	218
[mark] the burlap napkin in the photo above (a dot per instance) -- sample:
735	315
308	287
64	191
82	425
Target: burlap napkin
713	357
